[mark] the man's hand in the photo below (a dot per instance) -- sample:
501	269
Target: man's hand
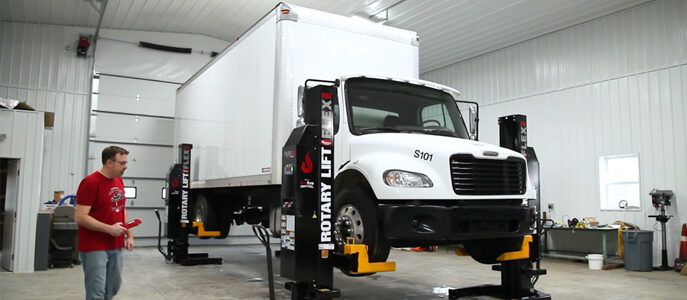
116	229
129	234
82	218
130	242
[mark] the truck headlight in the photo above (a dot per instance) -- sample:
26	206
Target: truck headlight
401	178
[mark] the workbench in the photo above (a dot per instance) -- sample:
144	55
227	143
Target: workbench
576	243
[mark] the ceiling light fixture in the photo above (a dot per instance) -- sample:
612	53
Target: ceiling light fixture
382	15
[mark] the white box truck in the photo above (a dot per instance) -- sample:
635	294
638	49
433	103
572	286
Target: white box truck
407	171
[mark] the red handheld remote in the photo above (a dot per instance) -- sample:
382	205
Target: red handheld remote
132	223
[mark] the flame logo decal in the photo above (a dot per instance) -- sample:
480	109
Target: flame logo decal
306	165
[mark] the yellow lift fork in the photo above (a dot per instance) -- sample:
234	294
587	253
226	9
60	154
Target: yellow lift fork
364	265
523	253
202	231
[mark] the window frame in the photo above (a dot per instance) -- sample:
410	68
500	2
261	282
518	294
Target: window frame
459	124
134	191
604	183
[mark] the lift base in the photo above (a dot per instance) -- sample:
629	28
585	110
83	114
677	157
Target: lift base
306	291
496	291
195	259
178	252
516	283
516	277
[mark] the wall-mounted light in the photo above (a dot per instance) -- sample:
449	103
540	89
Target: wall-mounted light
82	46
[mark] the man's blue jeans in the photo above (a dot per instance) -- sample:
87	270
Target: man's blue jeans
102	273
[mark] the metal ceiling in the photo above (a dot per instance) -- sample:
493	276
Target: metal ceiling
449	30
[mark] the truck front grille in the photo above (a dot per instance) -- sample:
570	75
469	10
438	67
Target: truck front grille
476	176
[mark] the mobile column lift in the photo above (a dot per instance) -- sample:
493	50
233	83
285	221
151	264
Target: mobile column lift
520	270
179	225
307	223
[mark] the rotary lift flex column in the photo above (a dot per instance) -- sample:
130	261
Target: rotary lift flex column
521	269
307	222
307	187
179	215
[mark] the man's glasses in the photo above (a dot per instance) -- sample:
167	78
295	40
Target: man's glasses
123	163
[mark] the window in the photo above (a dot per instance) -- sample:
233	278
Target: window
436	115
619	182
370	117
130	192
379	106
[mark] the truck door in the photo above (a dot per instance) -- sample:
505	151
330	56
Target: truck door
342	151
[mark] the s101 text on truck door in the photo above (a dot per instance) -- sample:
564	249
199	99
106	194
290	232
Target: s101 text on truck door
423	155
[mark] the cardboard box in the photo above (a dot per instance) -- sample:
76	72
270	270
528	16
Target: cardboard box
57	195
14	104
49	119
593	221
24	106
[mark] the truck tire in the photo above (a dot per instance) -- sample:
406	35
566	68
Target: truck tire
225	216
487	251
356	216
204	211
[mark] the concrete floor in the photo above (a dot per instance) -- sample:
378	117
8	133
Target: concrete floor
146	276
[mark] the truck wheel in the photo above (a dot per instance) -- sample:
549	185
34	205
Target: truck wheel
487	251
205	212
356	217
225	216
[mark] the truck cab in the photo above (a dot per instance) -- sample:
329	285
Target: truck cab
409	174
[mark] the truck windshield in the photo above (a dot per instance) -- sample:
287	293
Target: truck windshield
376	105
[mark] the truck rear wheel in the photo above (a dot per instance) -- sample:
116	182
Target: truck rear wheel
356	217
205	211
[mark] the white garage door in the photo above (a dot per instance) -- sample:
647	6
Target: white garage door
138	115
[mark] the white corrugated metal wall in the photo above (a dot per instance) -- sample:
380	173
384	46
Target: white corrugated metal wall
23	141
38	64
614	85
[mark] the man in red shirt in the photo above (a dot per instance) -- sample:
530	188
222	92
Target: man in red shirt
100	213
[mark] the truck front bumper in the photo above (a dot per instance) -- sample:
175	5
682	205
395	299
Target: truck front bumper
452	224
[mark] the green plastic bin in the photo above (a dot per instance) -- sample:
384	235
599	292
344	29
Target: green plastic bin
638	245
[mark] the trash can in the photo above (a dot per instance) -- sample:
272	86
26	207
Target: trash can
638	246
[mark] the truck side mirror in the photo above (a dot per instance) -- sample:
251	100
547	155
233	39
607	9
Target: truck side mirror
301	110
474	119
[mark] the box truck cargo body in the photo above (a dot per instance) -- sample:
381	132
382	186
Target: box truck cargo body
239	110
407	172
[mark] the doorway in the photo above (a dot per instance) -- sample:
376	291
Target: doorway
9	184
